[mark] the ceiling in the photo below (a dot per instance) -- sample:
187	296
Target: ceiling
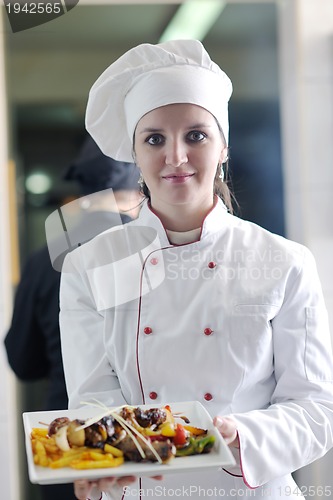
97	26
58	61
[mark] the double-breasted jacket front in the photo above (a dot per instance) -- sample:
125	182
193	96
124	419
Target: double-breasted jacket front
235	320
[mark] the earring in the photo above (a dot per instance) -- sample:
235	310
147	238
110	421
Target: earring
221	174
141	181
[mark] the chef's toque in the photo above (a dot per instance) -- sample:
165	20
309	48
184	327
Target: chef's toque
148	77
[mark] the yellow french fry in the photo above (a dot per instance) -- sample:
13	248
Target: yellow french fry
74	451
98	456
45	440
41	453
85	456
64	461
99	464
51	448
47	454
38	431
114	451
40	450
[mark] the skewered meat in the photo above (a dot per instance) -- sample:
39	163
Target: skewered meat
56	424
165	449
112	428
142	435
96	435
151	417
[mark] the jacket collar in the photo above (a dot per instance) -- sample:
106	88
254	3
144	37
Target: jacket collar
215	220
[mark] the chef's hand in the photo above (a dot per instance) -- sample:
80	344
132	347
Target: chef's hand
228	430
83	488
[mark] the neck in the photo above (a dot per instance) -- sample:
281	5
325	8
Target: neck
183	217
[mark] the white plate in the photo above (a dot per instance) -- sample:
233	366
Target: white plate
220	455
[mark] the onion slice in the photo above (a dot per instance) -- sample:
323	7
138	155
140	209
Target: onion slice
61	438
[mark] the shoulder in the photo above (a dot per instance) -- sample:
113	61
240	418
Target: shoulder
267	245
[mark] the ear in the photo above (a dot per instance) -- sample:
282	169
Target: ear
224	154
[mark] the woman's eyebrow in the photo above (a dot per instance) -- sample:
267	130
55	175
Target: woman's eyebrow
199	125
152	130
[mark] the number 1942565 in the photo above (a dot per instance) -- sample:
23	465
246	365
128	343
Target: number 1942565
34	8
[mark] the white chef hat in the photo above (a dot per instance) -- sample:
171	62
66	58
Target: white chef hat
147	77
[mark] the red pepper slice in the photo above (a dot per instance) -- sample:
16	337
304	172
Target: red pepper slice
158	438
181	437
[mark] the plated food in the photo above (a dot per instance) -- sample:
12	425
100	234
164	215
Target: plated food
94	462
127	433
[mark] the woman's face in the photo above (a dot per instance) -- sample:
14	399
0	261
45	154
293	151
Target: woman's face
178	148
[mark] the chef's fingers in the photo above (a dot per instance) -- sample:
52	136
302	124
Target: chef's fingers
112	483
228	430
124	481
82	488
106	483
115	487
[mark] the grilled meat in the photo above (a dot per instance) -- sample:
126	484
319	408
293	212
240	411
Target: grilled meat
95	435
165	449
111	426
151	417
56	424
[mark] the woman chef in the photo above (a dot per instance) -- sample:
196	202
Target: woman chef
188	302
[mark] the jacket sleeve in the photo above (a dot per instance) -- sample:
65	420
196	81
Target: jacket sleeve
297	427
24	342
88	373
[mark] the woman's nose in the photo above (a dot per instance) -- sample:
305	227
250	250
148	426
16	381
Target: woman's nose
176	154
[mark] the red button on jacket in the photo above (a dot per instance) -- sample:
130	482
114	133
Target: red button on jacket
153	395
148	330
208	331
211	265
208	396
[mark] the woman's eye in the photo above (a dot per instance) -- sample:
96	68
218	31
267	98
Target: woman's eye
196	136
154	139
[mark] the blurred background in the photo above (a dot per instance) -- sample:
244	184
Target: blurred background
278	53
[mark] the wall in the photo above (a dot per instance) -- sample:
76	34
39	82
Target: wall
8	435
306	68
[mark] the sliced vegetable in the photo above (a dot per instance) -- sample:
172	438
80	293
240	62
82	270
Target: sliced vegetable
196	446
168	430
61	438
196	431
76	436
181	436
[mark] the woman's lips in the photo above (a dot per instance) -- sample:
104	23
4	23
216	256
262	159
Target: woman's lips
177	178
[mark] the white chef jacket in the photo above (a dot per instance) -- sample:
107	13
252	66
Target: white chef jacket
235	320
